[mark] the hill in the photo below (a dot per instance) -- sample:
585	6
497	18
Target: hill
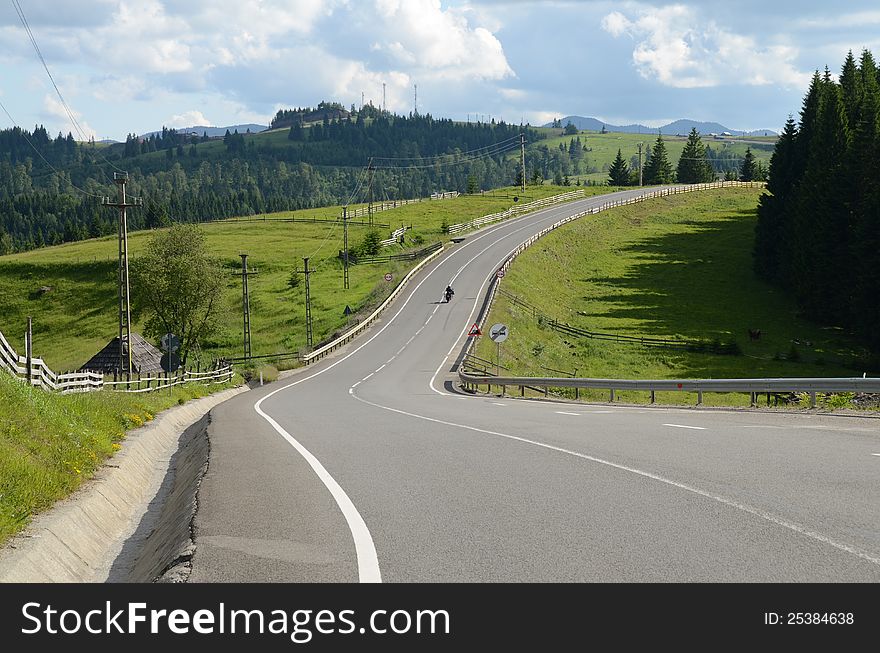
212	132
676	127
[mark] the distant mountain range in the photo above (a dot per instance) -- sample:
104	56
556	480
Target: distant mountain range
213	131
678	127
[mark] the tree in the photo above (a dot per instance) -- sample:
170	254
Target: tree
694	166
178	287
658	170
618	173
771	226
570	129
749	169
472	186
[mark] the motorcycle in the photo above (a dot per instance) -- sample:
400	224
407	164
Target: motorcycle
449	294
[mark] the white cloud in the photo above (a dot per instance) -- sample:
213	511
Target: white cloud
674	47
80	130
440	42
190	119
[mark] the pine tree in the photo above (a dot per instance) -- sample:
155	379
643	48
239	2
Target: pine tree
618	173
748	170
658	170
771	225
694	166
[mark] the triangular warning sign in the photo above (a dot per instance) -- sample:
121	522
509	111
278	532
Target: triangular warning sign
475	331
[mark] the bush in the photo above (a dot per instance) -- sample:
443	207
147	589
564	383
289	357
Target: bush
370	245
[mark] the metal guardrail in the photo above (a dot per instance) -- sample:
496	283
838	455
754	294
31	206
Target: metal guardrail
515	210
812	386
351	333
754	387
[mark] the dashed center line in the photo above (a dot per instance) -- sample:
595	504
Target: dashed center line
562	412
876	454
381	368
368	376
497	404
682	426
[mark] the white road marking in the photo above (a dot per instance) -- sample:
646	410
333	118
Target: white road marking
495	403
761	426
368	561
602	412
400	351
875	454
391	359
368	376
356	384
682	426
562	412
757	512
380	369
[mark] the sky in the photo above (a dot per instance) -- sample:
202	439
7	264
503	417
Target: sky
132	66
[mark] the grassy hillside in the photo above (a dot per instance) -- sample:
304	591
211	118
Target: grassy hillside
679	266
49	444
77	316
603	148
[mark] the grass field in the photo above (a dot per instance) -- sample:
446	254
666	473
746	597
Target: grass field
49	443
679	266
77	317
603	148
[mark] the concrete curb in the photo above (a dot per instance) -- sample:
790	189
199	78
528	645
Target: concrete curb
78	539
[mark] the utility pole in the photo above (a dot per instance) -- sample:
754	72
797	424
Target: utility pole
120	178
522	146
370	169
246	305
344	247
384	106
640	164
415	99
362	99
307	272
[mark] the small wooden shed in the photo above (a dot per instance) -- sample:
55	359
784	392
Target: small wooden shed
145	357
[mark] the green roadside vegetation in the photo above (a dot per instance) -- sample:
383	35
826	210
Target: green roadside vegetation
678	267
76	315
50	443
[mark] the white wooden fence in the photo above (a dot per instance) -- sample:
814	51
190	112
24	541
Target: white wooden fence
40	375
385	206
515	210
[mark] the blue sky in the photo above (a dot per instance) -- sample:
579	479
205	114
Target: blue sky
133	66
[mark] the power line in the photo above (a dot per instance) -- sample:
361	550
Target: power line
64	104
40	154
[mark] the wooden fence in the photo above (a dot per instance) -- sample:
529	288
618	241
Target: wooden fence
35	372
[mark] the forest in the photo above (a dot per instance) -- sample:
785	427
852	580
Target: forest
818	229
51	189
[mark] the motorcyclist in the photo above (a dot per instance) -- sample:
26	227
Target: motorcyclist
449	293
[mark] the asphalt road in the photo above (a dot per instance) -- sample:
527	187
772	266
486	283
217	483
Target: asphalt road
370	466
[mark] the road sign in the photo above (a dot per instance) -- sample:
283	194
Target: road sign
500	274
498	332
170	342
388	276
475	330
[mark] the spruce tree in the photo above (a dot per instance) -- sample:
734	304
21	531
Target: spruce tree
618	173
771	225
748	171
658	170
694	166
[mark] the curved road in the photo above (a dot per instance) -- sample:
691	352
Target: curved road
370	466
